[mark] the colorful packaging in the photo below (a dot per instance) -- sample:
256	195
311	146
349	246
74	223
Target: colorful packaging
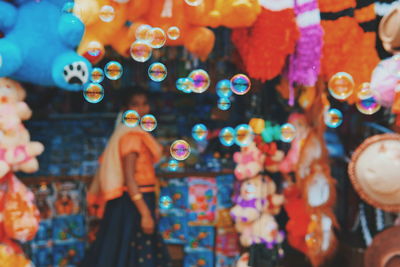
68	197
198	258
225	184
42	256
44	233
201	237
66	228
173	227
227	242
44	196
68	254
225	261
202	201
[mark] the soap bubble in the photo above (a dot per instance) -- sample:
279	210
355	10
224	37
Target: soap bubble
199	132
240	84
243	135
224	103
201	80
180	150
148	122
107	13
94	48
173	165
288	132
68	7
141	51
185	85
143	33
93	93
333	118
157	72
341	85
223	88
97	75
173	33
364	91
165	202
227	136
368	105
131	118
194	2
113	70
158	38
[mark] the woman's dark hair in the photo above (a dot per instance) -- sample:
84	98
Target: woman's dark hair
127	94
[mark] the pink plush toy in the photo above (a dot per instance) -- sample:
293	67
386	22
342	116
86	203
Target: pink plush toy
250	162
385	79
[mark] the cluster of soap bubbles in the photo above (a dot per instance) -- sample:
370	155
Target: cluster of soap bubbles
242	135
94	91
198	81
107	13
199	132
288	132
149	38
224	92
157	72
132	119
341	86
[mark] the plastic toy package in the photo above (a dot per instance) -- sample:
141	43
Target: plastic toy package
177	190
68	254
202	201
200	238
68	228
225	190
196	258
173	227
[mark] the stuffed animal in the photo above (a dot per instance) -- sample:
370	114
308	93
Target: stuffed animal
12	107
250	162
252	199
216	13
38	44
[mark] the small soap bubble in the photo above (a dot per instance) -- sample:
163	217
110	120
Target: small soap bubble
113	70
194	2
333	118
288	132
173	165
131	118
143	33
185	85
180	150
240	84
227	136
94	48
199	132
107	13
223	88
173	33
141	51
97	75
93	93
201	80
68	7
148	122
243	135
165	202
364	91
368	105
158	38
341	85
157	72
224	103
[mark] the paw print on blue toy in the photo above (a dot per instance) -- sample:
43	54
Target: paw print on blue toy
39	42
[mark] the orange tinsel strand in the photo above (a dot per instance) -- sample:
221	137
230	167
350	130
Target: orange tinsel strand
265	46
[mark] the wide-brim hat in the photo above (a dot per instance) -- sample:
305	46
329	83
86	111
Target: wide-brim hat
375	171
384	250
389	30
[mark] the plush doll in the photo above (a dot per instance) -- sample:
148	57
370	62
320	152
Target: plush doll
250	162
38	44
216	13
264	46
251	201
12	107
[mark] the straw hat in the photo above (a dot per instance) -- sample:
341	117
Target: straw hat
389	30
375	171
384	250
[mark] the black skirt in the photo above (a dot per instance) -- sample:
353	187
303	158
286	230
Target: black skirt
120	241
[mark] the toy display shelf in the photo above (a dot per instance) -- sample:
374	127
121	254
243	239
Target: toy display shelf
87	179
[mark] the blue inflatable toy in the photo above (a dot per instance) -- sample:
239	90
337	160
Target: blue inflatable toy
39	42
